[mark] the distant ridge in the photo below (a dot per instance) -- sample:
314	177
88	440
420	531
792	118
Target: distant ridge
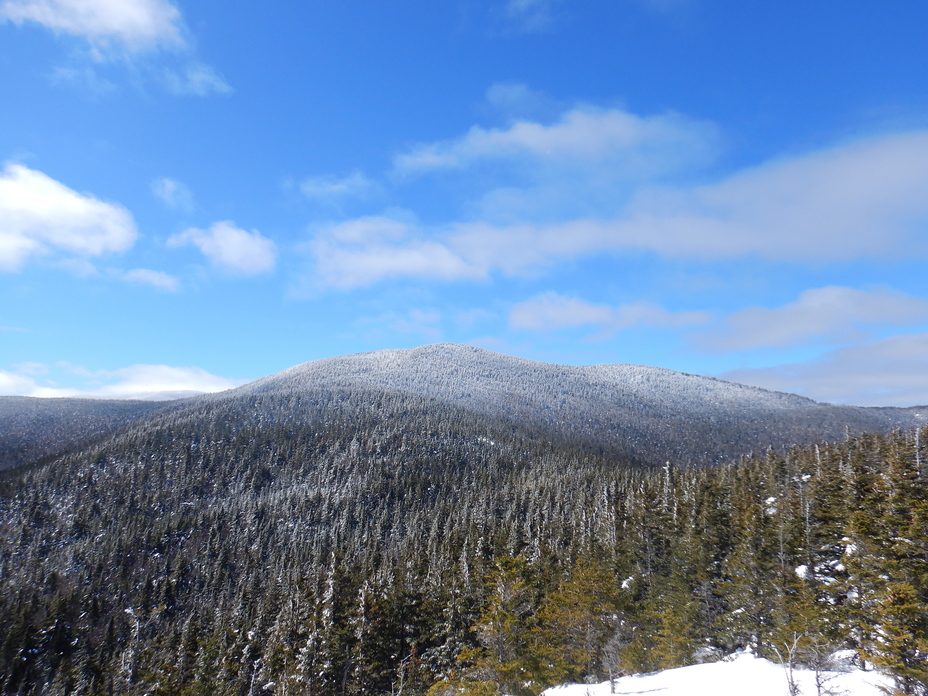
31	428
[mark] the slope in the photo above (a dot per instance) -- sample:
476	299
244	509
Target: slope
32	428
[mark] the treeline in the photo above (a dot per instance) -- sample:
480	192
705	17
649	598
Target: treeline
371	544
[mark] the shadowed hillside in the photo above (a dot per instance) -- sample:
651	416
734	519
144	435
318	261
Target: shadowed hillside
33	428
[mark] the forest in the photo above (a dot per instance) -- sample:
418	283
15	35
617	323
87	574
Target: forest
371	542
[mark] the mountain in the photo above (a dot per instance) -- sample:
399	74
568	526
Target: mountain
644	414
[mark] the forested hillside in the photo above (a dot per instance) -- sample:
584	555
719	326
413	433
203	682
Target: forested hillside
367	541
32	428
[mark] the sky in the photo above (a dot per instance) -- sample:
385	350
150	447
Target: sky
196	194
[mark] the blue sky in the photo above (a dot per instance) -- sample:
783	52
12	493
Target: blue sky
196	194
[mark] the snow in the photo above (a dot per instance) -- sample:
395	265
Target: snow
741	674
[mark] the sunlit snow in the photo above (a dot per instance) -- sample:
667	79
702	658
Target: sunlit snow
742	674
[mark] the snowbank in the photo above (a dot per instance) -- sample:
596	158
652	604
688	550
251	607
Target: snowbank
742	674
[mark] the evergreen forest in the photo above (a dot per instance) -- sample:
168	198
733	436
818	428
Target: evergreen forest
375	543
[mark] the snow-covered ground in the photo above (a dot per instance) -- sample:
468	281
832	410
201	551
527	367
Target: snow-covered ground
742	674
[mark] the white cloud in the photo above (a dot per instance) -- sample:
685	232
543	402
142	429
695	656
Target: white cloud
888	372
854	200
367	250
860	200
135	24
587	163
552	311
16	384
39	216
154	382
195	79
230	248
640	146
334	188
156	279
150	380
116	31
829	313
173	193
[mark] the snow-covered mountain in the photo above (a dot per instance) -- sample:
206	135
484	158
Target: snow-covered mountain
646	413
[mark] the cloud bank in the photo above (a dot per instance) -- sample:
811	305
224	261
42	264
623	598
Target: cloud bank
831	313
888	372
151	382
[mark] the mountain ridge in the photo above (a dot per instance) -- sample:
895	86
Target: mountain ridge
641	413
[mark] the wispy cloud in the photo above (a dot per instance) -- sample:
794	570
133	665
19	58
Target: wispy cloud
328	188
517	100
155	279
40	216
830	313
425	322
173	193
888	372
530	16
552	311
230	248
640	146
195	79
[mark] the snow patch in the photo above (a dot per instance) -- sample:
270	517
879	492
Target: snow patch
738	676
